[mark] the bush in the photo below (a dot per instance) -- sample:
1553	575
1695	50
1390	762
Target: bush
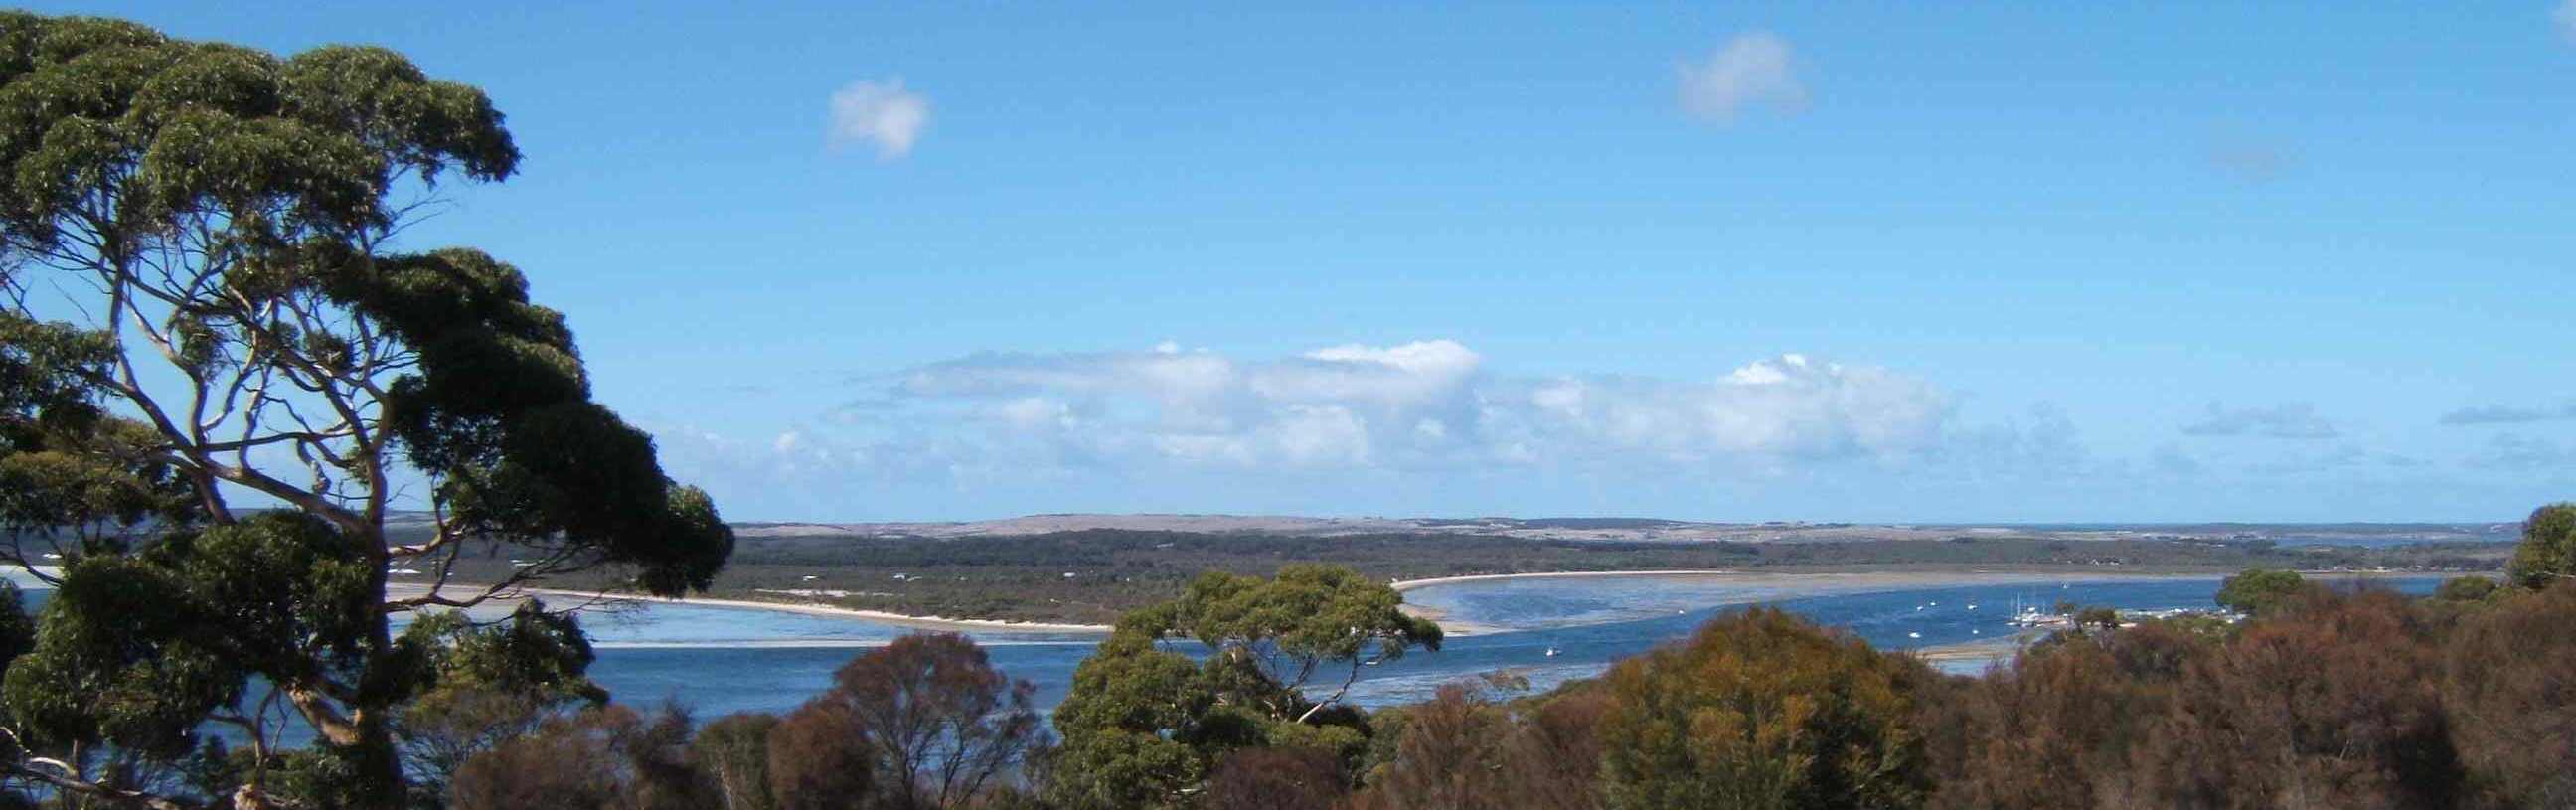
1764	709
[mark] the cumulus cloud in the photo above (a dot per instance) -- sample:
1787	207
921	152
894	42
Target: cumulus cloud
1752	69
1426	404
879	114
2508	415
2296	420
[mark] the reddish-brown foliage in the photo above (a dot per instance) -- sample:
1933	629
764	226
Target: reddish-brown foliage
2510	676
1278	779
2331	705
819	759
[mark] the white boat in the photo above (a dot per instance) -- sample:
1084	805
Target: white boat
1551	651
1914	635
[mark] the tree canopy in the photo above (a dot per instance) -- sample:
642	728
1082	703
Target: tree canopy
2255	591
1762	709
220	375
1143	724
2548	549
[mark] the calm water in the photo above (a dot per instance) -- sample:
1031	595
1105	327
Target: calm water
719	680
723	660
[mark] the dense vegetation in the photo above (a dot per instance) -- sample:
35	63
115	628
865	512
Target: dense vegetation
1115	571
200	307
2326	697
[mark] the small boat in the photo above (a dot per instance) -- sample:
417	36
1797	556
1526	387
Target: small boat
1914	635
1551	651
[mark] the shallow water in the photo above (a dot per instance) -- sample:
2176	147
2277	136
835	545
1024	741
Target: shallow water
719	680
720	660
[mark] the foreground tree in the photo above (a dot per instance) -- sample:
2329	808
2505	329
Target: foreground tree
1465	750
611	757
1761	709
819	759
734	751
2512	701
1144	725
939	723
2055	727
213	226
2334	705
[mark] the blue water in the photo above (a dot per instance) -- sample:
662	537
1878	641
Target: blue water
720	680
711	659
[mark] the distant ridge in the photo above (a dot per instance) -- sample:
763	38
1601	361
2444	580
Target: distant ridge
1632	529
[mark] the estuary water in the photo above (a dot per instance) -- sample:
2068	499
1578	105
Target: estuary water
722	660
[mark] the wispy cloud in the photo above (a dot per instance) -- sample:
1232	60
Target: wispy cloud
2508	415
2296	420
2524	454
1752	69
880	114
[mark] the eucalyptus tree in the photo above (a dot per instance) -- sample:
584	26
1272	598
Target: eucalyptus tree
221	375
1144	724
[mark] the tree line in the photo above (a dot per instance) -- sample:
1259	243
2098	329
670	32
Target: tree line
2319	697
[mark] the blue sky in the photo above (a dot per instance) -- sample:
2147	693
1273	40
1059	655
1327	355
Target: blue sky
1901	262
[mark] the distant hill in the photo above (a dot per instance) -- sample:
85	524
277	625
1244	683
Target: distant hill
1628	529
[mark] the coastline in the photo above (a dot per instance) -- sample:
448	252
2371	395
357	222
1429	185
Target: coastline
828	611
882	617
1743	588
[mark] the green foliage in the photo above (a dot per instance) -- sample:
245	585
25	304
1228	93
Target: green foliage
2098	618
1761	709
1143	725
217	216
2257	591
2467	589
473	687
136	650
2548	550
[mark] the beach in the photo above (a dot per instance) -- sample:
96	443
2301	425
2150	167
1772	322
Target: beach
609	601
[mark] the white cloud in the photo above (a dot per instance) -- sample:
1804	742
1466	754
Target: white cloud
882	114
1753	68
1426	404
